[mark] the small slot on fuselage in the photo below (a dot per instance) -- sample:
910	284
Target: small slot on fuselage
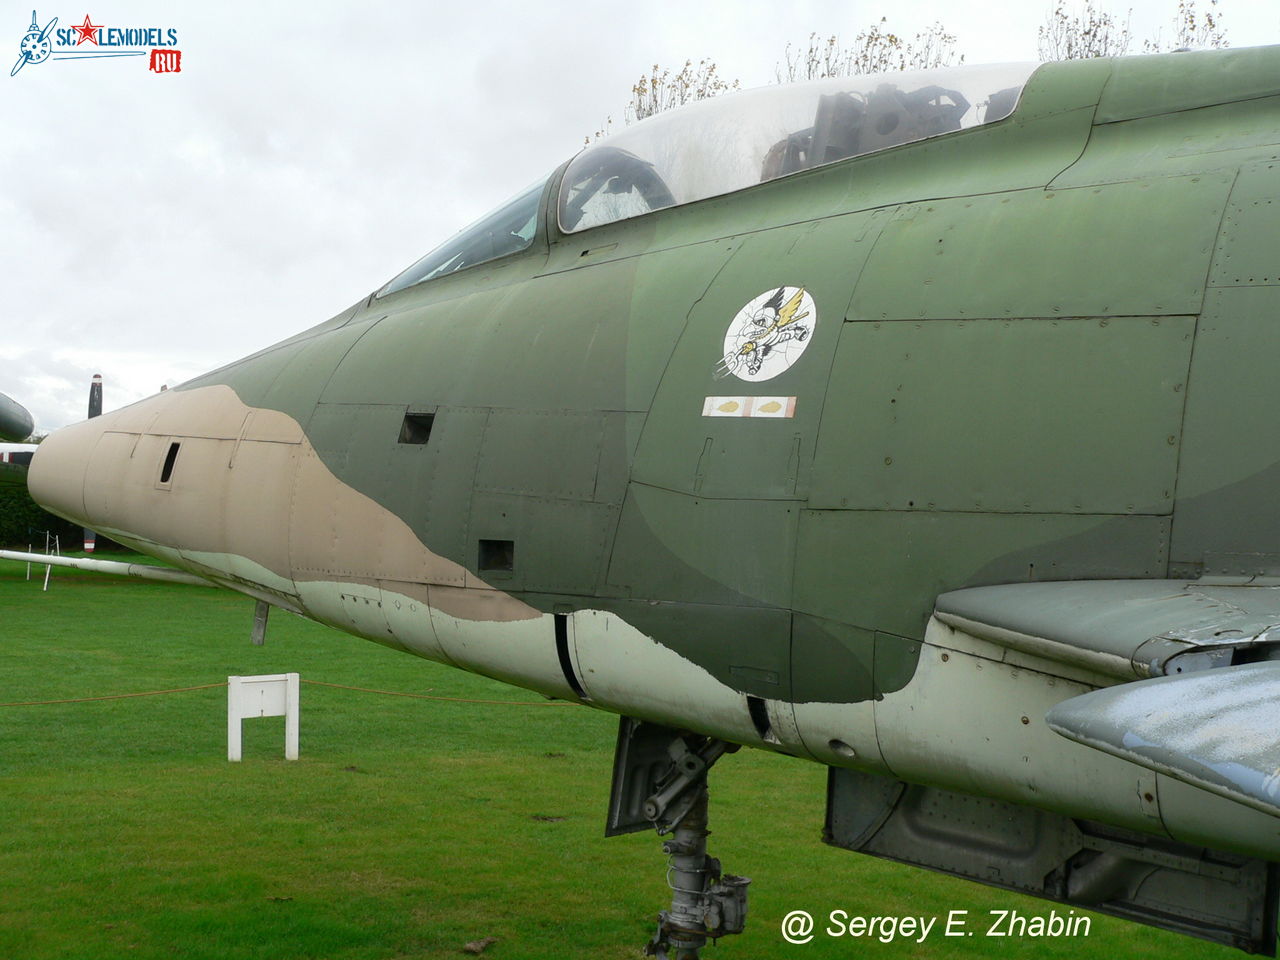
759	711
416	427
170	458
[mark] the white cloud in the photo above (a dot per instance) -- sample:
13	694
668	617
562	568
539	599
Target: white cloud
157	226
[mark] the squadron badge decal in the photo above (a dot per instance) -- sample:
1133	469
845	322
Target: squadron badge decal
768	335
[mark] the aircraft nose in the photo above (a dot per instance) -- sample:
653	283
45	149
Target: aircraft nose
182	472
15	422
57	474
113	473
103	473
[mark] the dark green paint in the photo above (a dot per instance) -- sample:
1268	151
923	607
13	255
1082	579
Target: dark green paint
1020	254
854	565
1041	353
1207	140
1146	86
744	546
902	426
746	647
896	659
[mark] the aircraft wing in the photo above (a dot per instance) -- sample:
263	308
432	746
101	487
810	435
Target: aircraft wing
1123	629
1196	668
1214	728
142	571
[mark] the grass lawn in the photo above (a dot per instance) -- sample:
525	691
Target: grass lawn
407	828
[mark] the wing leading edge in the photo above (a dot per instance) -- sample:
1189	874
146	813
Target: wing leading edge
1196	666
1214	729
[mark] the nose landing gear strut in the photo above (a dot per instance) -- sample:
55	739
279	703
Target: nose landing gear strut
660	781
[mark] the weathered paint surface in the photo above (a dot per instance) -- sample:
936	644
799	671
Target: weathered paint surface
245	483
1037	360
1125	629
1215	729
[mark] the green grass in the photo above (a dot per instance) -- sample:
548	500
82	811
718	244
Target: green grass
406	829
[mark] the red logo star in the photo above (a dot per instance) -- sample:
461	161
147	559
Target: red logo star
87	30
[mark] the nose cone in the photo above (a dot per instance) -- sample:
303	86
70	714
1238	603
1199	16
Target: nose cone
182	472
15	422
108	472
57	474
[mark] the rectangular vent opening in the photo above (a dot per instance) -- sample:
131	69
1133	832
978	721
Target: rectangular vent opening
416	427
759	711
497	555
170	458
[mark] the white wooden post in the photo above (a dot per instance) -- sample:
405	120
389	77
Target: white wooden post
291	716
269	695
233	719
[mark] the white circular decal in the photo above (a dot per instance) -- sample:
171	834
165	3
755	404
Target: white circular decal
768	335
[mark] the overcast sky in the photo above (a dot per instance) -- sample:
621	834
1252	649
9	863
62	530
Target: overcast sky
156	226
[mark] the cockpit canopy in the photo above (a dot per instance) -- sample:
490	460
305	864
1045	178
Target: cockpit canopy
717	146
714	147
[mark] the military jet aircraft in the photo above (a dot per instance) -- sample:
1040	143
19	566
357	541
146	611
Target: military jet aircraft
913	424
15	425
15	422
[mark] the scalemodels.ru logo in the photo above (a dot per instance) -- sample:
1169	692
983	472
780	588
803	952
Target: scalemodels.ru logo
90	41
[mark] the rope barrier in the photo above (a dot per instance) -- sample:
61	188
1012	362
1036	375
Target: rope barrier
317	683
115	696
424	696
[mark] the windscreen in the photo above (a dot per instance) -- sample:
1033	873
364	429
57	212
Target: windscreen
506	230
716	146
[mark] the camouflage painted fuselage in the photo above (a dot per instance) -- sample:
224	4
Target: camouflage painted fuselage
1040	353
